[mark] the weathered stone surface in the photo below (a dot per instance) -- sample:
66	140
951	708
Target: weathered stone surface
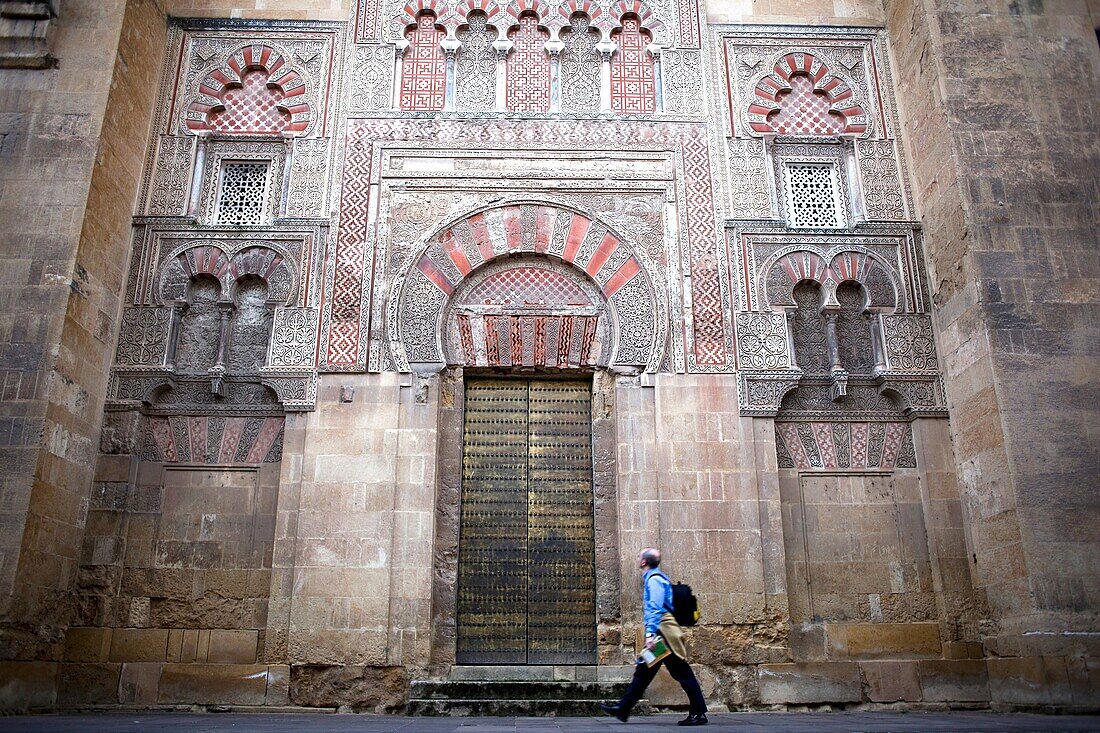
377	689
953	680
214	684
88	684
890	681
139	683
28	685
809	682
884	641
139	645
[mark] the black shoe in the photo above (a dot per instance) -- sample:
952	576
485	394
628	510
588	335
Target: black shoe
616	710
694	719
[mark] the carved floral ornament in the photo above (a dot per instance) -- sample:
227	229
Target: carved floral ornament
800	95
554	16
527	285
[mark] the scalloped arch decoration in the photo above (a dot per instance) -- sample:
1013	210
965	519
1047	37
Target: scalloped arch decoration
648	20
409	13
767	97
263	262
587	248
234	100
567	9
464	7
790	269
516	9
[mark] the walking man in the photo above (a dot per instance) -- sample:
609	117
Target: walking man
657	607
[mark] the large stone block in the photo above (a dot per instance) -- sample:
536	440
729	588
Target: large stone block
883	641
139	645
953	680
27	685
88	684
230	646
809	682
87	644
378	689
891	681
213	684
139	683
1028	681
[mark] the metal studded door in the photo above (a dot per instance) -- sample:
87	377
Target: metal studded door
526	573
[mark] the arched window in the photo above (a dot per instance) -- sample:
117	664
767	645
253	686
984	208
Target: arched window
633	90
476	65
424	68
200	327
528	67
580	66
251	328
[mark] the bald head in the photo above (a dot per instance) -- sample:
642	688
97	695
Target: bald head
650	557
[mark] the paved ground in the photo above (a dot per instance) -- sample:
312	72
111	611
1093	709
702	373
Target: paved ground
867	722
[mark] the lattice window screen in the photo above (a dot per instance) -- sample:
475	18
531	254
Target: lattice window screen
242	193
813	195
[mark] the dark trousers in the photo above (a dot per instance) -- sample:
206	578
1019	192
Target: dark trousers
680	671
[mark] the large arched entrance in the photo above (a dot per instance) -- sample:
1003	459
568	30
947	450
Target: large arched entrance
531	304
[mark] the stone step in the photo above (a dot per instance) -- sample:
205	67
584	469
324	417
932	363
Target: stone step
542	673
509	707
514	690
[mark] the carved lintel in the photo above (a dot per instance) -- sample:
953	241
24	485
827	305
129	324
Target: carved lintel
760	393
295	389
922	394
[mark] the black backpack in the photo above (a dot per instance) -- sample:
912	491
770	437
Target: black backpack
685	606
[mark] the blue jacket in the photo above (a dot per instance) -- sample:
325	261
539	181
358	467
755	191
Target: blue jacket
656	598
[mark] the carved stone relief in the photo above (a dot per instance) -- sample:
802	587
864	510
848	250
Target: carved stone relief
309	175
683	82
143	336
476	66
171	186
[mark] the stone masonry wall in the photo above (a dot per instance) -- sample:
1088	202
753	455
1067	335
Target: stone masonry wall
74	143
1000	107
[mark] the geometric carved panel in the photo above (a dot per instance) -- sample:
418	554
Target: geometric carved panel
831	446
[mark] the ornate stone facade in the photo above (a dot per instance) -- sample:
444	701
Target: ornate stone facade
339	221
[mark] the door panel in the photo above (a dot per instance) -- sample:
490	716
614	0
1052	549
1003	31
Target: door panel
526	557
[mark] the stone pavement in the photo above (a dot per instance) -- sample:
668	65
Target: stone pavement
858	722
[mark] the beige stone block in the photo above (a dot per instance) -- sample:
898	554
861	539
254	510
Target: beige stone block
114	468
139	645
87	644
28	685
809	682
891	681
233	646
88	684
1027	680
278	685
884	641
666	691
213	684
138	683
962	650
944	680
